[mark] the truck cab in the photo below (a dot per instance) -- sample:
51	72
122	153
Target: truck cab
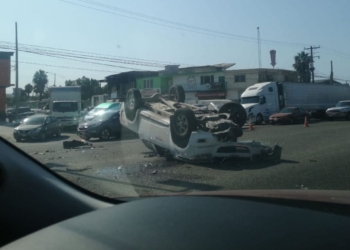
67	112
260	101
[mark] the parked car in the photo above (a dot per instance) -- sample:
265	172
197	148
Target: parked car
289	115
23	112
103	126
99	109
341	110
37	127
174	129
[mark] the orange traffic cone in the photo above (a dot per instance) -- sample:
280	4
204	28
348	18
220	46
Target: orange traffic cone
306	122
251	126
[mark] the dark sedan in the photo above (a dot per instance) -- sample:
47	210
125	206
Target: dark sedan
37	127
289	115
103	126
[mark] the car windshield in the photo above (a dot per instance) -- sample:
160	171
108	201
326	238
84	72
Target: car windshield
103	117
34	120
287	110
65	107
157	65
251	99
343	104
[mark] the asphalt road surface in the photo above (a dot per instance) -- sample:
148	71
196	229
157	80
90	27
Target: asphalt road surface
316	157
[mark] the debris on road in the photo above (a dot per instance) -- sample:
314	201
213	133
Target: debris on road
78	169
120	168
35	153
75	144
154	172
148	165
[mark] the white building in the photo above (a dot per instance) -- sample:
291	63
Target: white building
238	80
203	82
217	82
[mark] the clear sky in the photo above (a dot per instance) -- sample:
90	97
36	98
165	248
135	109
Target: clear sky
229	27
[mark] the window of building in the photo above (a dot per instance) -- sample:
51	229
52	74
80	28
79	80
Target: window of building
221	79
207	79
239	78
148	84
269	78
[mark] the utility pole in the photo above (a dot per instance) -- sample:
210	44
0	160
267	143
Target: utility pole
54	83
259	48
331	78
16	91
312	68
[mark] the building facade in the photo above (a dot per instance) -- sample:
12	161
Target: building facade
238	80
5	78
203	83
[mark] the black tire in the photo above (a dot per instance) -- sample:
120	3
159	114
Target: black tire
58	134
238	114
133	103
43	137
182	124
348	116
105	134
177	94
259	119
118	134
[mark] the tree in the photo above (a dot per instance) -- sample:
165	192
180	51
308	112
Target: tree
301	65
89	87
28	89
40	80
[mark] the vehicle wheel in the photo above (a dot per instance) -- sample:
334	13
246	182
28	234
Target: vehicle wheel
105	134
259	119
118	134
43	137
17	139
133	103
177	94
348	116
58	133
182	124
238	114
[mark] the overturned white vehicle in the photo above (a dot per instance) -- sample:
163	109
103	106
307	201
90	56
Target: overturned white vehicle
174	129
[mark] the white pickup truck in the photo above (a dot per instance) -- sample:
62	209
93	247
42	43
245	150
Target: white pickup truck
174	129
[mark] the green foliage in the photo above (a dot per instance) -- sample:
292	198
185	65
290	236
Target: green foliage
40	80
302	66
28	89
89	87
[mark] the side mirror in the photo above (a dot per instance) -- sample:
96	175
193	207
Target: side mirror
262	100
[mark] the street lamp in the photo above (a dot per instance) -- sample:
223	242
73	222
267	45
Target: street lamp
54	84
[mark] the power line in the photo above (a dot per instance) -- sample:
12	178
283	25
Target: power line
72	58
180	26
163	63
82	56
65	67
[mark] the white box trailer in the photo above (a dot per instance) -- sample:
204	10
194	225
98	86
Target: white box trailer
264	99
65	104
